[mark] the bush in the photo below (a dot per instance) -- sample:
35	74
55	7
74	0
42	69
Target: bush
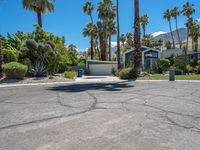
114	71
70	74
15	70
163	65
10	55
198	69
127	73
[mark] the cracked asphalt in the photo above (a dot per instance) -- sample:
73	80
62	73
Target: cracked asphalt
101	116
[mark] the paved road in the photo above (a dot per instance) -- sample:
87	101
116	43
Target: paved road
103	116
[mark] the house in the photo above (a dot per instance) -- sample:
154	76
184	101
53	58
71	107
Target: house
149	57
179	53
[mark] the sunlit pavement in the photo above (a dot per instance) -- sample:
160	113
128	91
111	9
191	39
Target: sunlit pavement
117	115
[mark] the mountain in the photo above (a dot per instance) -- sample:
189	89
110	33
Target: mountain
167	36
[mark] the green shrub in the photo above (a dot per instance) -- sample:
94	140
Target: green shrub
127	73
114	71
15	70
81	65
70	74
10	55
163	65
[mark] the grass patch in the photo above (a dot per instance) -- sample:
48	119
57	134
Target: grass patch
178	77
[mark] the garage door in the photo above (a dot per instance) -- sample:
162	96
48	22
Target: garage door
101	69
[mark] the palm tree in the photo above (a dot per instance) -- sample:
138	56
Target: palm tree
167	15
123	39
129	38
175	14
118	36
195	33
137	45
90	31
106	12
88	9
112	31
188	10
144	20
40	7
1	57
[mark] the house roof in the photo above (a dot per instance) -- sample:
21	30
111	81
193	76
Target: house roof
143	48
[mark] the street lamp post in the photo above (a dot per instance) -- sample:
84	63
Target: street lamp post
1	58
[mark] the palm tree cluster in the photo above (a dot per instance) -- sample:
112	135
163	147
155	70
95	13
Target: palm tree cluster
101	32
191	24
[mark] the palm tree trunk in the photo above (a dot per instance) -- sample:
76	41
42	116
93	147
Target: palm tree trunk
170	26
39	16
187	42
179	39
118	38
109	47
137	52
144	31
91	19
1	59
99	54
92	48
101	41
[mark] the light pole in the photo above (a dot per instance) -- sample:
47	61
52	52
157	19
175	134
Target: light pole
1	58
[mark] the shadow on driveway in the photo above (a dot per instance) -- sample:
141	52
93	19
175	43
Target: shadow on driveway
92	86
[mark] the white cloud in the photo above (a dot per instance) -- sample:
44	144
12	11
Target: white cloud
114	44
158	33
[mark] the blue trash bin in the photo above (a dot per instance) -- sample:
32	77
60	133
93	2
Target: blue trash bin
80	72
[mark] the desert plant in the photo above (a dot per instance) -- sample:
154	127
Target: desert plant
39	69
70	74
127	73
114	71
15	70
10	55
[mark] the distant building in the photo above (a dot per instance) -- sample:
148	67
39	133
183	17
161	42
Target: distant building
149	57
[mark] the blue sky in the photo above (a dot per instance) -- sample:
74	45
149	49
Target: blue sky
69	20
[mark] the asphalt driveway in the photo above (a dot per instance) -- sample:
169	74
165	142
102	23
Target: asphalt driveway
101	116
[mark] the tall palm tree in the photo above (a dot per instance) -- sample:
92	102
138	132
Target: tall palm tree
112	31
88	9
188	10
175	14
195	33
40	7
137	45
90	31
129	38
1	57
144	20
167	15
118	36
106	12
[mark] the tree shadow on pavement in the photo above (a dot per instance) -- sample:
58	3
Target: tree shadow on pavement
92	86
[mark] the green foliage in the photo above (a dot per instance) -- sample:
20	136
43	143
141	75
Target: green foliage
70	74
172	59
10	55
14	70
39	69
27	62
163	64
180	65
198	69
127	73
114	71
82	64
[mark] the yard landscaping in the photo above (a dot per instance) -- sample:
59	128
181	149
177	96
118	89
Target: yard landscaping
178	77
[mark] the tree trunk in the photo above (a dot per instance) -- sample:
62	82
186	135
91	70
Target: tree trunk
39	15
91	19
97	47
118	38
92	48
187	39
144	31
170	26
1	59
110	48
101	45
137	52
179	39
